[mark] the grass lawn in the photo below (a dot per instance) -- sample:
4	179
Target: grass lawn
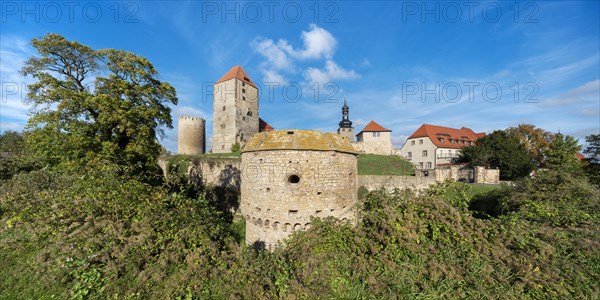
477	189
223	154
371	164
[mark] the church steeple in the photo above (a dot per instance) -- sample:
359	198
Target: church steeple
345	123
346	128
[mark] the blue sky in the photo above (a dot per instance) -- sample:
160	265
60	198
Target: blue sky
401	64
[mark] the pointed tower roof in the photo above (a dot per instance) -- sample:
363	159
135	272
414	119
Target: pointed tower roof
374	127
345	123
239	73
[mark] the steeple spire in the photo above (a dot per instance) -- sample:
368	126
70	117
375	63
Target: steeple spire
345	123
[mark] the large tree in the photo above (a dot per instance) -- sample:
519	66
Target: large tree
562	152
95	103
535	139
499	150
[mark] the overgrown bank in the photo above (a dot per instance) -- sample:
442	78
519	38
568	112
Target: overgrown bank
100	234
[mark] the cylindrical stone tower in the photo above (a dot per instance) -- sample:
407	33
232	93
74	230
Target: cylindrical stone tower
191	136
289	176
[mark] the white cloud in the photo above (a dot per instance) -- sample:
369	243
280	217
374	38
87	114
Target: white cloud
318	42
281	58
330	73
277	54
272	76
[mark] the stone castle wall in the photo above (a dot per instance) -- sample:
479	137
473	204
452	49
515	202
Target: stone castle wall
246	120
377	182
191	135
217	172
235	114
275	205
487	176
373	147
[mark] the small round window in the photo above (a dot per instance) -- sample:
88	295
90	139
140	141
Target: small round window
293	179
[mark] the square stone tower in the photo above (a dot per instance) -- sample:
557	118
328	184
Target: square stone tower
235	110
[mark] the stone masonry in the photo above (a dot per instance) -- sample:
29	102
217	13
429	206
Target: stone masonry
191	136
288	177
235	110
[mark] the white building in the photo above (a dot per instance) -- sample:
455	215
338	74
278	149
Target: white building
374	139
433	145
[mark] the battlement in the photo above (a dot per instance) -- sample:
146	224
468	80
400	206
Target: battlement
191	118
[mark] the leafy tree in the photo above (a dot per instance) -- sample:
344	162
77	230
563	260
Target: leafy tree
14	155
90	103
592	150
561	153
536	140
499	150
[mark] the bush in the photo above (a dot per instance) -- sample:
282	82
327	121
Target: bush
99	234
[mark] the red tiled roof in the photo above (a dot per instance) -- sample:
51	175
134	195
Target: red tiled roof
239	73
434	133
264	126
374	127
580	156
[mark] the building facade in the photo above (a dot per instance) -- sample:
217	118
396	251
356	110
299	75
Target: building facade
432	145
235	110
374	139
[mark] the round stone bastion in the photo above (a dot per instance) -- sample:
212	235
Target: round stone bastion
291	176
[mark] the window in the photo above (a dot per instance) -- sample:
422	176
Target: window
243	83
412	142
451	141
222	126
223	107
244	98
421	165
420	142
243	91
375	134
424	153
441	140
409	154
429	165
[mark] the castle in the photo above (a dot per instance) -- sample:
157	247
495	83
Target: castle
286	177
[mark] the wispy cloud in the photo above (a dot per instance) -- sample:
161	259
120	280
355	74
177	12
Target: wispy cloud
14	109
584	94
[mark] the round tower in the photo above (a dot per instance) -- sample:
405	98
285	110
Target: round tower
191	135
289	176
